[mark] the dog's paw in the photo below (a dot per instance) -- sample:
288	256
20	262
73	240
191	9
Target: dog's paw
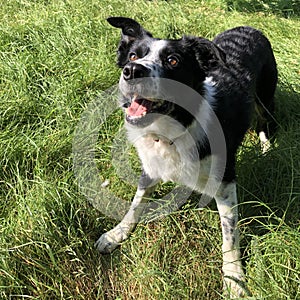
234	281
234	287
110	240
264	142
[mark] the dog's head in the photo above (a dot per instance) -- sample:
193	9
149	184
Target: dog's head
145	60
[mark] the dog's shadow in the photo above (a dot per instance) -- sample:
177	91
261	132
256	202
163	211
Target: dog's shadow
269	184
283	8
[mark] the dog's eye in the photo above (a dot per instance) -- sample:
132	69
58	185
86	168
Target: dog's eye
172	60
133	56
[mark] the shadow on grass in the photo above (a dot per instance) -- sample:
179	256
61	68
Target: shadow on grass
269	184
284	8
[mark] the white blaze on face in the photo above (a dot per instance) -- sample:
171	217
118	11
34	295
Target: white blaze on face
152	59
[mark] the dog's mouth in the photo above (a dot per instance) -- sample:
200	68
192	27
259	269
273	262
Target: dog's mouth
141	111
139	108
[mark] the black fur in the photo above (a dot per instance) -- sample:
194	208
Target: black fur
241	63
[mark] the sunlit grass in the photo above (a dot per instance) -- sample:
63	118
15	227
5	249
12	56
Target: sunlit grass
55	57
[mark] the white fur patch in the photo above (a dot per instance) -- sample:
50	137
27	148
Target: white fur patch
153	55
164	148
210	90
265	143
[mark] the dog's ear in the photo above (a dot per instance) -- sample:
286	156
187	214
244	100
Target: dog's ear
131	31
207	53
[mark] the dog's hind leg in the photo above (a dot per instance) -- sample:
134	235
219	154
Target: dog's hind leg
110	240
264	103
232	268
265	126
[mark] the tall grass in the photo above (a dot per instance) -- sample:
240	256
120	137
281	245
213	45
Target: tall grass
55	58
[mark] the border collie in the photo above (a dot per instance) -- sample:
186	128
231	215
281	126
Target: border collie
188	104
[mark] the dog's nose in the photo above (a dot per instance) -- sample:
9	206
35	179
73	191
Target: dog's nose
133	71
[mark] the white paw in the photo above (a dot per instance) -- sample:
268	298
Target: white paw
264	142
234	281
234	287
110	240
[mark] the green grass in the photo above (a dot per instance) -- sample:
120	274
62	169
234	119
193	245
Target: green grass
56	56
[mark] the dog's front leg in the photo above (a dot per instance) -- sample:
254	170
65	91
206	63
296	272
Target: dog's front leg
110	240
226	199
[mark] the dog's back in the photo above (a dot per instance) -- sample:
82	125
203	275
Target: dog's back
249	52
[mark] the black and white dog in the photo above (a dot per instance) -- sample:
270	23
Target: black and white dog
190	132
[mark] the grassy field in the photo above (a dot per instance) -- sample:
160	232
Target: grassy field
56	56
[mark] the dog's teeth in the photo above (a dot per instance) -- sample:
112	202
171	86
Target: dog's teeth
138	117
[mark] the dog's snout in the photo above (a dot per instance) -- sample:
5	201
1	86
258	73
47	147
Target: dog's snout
134	71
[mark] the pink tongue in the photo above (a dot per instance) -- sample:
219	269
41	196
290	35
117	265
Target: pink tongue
137	108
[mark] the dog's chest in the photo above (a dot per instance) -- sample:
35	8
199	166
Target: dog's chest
160	157
176	161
